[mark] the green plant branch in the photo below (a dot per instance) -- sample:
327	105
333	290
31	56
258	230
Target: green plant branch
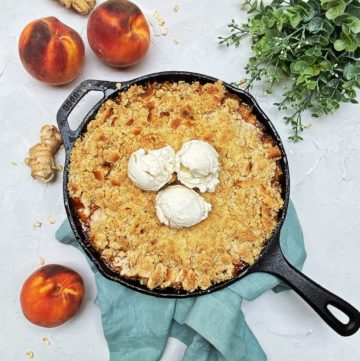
314	43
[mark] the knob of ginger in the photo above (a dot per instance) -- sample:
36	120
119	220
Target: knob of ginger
41	155
81	6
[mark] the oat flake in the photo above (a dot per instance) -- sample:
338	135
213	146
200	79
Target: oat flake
45	341
29	354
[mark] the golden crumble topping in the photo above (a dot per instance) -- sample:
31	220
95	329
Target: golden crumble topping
120	217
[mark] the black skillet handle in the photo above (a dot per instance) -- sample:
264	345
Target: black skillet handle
316	296
68	135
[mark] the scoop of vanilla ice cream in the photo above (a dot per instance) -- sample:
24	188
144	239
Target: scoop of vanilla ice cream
197	165
153	170
178	206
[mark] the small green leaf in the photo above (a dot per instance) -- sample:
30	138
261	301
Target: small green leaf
317	24
250	5
315	4
345	28
325	65
322	39
327	4
301	79
262	7
334	8
347	42
352	71
355	26
339	45
315	51
299	66
348	84
354	9
313	70
285	68
343	19
294	16
311	84
350	43
280	18
307	11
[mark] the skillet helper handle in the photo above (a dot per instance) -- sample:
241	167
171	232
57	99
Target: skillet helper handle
315	295
68	135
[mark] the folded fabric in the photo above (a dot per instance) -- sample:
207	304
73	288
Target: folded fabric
137	326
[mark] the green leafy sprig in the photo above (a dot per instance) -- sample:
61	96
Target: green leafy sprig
316	44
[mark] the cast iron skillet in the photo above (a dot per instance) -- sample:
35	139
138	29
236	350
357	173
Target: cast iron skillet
271	260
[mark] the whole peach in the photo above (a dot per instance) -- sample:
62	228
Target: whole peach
52	295
118	33
51	51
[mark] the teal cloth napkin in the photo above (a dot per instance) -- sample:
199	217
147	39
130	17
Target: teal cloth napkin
137	326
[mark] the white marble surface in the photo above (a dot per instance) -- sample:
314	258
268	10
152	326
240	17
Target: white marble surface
325	175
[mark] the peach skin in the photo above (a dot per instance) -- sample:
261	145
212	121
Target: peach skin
118	33
51	51
52	295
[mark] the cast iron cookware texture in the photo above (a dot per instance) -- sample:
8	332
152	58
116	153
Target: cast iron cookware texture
271	259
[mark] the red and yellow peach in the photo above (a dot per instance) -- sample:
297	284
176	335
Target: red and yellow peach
118	33
51	51
52	295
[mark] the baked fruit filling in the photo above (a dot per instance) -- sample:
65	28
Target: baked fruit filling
120	219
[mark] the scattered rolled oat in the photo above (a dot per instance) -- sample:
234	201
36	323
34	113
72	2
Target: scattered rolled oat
45	341
161	21
176	41
59	167
165	31
155	27
155	14
41	260
13	162
118	85
37	224
176	8
51	220
29	354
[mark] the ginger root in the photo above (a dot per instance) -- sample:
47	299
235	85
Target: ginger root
83	7
41	155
